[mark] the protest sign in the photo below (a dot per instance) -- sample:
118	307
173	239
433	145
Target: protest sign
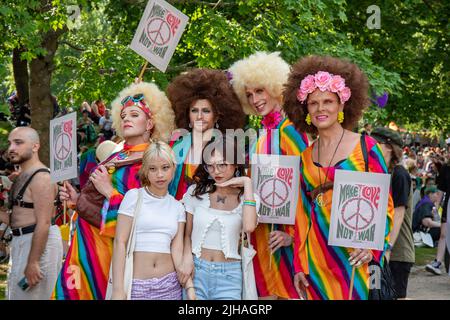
359	209
158	33
275	181
63	148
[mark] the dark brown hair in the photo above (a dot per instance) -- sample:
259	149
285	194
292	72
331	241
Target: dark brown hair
355	79
211	85
204	183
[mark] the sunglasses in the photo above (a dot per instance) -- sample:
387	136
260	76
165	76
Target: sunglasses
136	98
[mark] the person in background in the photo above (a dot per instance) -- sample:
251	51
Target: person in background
400	253
443	184
105	123
424	214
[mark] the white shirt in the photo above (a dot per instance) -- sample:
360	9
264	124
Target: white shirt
213	228
106	123
157	223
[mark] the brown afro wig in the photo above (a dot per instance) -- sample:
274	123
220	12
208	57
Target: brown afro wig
211	85
355	79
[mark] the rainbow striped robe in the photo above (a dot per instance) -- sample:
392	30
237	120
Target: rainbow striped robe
327	268
276	280
85	271
183	171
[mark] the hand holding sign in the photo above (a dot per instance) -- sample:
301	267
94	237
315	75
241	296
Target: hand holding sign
358	257
278	239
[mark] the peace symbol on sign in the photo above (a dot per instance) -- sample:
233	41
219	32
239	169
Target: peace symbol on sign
63	146
158	31
357	213
274	192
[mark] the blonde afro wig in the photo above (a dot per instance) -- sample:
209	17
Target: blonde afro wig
260	70
162	113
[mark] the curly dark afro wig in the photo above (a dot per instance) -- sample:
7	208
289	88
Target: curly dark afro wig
355	79
211	85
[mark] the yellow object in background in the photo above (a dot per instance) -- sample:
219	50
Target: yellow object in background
65	231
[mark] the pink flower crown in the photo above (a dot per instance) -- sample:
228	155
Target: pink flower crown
325	81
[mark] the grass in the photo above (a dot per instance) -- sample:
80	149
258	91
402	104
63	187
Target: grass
424	255
3	270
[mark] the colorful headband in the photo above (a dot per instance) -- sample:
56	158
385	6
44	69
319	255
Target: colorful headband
325	82
136	100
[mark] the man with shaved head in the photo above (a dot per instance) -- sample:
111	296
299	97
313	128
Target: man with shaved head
36	248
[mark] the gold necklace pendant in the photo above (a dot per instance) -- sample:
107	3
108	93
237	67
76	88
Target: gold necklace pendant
319	199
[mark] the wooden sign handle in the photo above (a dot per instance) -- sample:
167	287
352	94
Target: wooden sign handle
143	71
270	257
352	280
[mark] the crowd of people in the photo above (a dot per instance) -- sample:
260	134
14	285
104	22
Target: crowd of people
176	206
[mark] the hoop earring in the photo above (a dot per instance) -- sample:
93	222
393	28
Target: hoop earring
237	173
340	116
190	125
308	119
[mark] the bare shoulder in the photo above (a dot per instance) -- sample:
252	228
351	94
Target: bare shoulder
352	136
41	182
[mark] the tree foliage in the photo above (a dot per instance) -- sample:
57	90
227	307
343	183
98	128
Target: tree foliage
407	57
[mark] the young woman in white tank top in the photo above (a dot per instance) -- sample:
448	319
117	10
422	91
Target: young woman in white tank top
219	206
159	232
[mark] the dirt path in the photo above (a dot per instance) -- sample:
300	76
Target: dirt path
423	285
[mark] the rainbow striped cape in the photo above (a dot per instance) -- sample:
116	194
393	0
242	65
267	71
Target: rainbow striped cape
327	268
274	273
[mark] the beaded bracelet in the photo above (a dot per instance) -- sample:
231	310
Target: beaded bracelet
250	203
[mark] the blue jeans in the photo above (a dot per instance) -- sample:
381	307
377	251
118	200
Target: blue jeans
217	280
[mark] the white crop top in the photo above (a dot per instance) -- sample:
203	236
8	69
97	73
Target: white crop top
212	228
157	223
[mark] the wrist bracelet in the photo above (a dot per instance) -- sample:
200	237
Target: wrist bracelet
189	288
250	203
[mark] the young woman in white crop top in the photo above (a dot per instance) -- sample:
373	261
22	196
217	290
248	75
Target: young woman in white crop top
158	232
219	206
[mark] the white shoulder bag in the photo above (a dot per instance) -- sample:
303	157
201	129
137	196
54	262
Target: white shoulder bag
128	270
248	274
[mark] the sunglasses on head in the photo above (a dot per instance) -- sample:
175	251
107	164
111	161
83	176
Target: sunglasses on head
136	98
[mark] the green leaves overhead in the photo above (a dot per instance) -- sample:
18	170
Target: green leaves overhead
407	57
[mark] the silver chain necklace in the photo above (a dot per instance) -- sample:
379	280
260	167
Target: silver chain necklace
154	195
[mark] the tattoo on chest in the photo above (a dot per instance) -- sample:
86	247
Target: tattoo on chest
221	199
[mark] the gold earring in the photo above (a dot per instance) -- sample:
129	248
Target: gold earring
340	116
308	119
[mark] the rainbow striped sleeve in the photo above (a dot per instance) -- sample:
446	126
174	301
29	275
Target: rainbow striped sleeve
111	206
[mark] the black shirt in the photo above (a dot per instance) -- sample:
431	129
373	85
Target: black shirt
401	185
422	212
443	184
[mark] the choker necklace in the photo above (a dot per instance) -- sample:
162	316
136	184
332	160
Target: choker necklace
154	195
320	199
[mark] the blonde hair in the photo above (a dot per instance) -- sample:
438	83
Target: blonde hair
162	114
156	149
261	69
